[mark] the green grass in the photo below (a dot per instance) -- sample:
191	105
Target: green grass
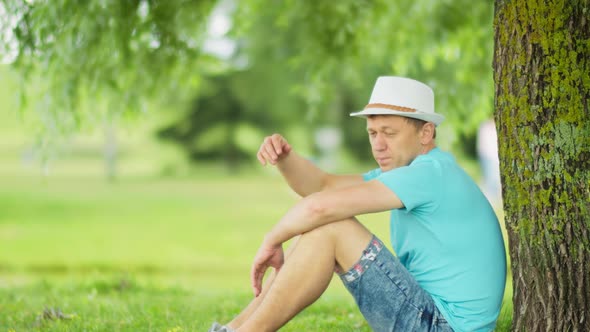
79	254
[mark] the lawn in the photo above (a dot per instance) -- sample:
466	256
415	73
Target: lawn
144	254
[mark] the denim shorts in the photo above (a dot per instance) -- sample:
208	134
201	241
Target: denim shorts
388	296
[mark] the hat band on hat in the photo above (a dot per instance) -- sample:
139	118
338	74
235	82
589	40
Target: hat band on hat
391	107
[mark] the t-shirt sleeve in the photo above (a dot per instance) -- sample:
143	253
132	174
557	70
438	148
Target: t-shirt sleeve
372	174
416	185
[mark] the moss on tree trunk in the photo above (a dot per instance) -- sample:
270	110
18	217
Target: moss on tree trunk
542	101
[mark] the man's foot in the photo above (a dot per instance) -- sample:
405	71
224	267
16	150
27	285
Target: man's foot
219	328
215	327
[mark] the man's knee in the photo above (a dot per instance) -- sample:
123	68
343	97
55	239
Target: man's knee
336	229
348	238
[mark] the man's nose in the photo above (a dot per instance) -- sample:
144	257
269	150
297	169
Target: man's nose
379	143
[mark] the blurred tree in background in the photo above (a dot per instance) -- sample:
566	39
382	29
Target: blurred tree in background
225	119
119	51
291	63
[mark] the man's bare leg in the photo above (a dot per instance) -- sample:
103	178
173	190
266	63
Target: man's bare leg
307	273
253	305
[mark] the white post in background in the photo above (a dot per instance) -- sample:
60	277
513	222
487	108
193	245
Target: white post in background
328	141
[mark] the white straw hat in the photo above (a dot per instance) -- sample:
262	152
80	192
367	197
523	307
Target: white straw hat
404	97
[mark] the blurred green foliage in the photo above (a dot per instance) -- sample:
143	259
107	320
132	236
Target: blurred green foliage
286	63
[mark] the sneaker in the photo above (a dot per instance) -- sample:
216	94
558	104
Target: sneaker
225	329
215	327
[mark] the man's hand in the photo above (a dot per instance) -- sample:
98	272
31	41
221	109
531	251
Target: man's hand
267	256
272	149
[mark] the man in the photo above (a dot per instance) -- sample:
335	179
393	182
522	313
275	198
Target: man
450	269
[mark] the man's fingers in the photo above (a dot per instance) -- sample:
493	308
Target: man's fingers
266	150
277	143
272	149
267	157
253	280
261	158
287	147
259	282
256	279
270	152
263	155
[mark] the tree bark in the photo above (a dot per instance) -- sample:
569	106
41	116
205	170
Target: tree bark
542	102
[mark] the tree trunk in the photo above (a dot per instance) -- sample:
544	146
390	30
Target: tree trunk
542	101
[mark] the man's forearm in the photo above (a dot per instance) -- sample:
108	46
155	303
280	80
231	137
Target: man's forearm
308	214
332	205
302	217
302	175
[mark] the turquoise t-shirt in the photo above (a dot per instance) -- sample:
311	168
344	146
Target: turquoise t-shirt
448	237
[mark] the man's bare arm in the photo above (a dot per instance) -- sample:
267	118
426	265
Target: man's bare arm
332	205
305	178
302	175
316	210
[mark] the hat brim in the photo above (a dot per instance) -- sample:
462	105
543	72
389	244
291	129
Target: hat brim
430	117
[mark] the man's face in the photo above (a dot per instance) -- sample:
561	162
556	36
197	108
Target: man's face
394	141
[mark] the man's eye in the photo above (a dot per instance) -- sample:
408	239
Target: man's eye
372	134
390	134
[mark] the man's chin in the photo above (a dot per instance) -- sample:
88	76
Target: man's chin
386	167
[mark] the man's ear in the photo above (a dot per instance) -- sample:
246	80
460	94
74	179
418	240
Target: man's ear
427	134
